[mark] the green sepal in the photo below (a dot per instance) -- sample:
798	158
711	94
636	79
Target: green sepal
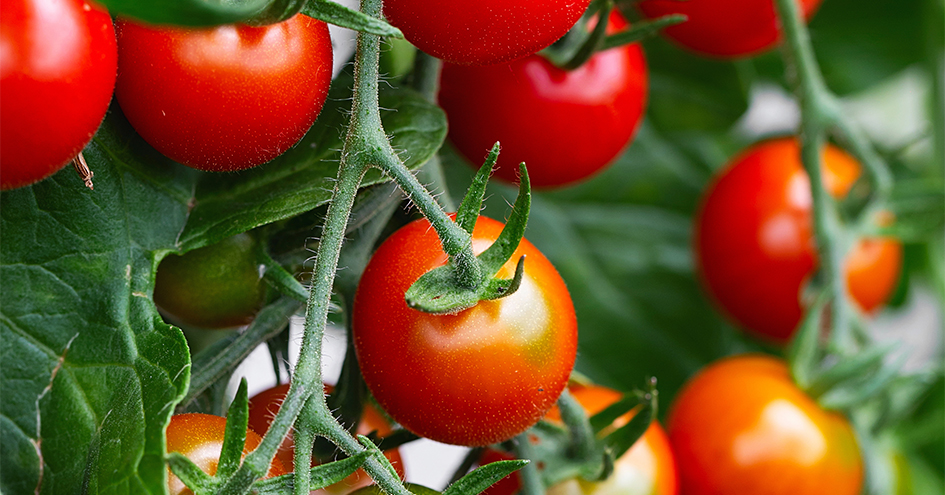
322	476
188	472
234	437
193	13
864	363
439	291
339	15
803	354
620	440
483	477
468	211
849	394
590	45
276	11
278	277
640	31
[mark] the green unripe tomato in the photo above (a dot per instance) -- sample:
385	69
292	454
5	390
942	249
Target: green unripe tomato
217	286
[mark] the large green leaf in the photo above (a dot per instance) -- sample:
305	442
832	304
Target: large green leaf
90	372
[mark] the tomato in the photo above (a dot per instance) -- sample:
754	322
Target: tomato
476	377
742	426
217	286
200	438
58	61
724	28
565	125
754	242
648	468
263	408
224	98
486	31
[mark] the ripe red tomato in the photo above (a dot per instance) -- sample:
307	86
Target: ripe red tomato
565	125
754	244
648	468
217	286
200	438
224	98
477	377
263	408
58	60
724	28
742	426
483	32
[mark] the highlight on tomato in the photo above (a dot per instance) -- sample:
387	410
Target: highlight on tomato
483	32
754	245
57	74
724	28
263	408
741	425
565	125
223	98
213	287
476	377
200	438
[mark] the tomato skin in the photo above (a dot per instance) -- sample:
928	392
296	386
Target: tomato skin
58	61
754	242
742	426
200	438
565	125
477	377
263	408
724	28
648	468
483	32
224	98
213	287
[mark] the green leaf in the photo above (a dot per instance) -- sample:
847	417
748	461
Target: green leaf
90	372
234	437
187	12
322	475
339	15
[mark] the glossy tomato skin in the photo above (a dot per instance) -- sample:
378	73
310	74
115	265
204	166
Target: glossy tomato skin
483	32
200	438
648	468
477	377
754	242
263	408
224	98
213	287
724	28
58	62
565	125
742	426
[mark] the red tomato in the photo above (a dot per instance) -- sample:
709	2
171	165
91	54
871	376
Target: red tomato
565	125
648	468
724	28
224	98
477	377
486	31
741	426
754	241
263	408
57	71
200	438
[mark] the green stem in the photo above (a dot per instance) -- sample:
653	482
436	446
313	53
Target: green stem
531	478
425	78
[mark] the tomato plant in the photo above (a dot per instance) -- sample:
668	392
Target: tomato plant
726	28
200	438
565	125
263	408
742	426
217	286
224	98
477	377
57	72
754	245
485	32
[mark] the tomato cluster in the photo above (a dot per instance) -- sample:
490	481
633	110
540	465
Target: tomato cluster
754	243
